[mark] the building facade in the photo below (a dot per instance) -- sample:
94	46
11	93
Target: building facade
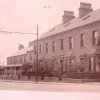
72	45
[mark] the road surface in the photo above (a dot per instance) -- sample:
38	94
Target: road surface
49	86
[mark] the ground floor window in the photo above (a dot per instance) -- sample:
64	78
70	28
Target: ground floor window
94	63
91	64
66	65
97	63
54	65
46	65
35	65
8	71
62	64
17	70
72	64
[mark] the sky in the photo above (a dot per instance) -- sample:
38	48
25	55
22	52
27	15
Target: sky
24	15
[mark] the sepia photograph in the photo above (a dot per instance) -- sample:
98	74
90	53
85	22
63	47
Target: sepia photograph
49	47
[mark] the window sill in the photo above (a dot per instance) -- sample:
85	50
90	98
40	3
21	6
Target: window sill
70	49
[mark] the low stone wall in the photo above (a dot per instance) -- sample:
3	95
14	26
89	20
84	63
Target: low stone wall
47	79
27	78
70	80
82	75
9	77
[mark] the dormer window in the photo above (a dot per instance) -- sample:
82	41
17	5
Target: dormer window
86	17
67	24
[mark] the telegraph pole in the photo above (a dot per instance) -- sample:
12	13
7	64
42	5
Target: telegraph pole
0	59
37	57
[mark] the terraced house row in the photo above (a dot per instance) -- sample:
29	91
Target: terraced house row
72	45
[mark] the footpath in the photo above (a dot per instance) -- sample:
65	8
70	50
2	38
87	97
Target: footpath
50	80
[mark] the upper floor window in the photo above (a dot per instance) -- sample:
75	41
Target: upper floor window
53	46
24	59
46	47
62	44
40	48
34	49
15	60
8	61
20	59
70	42
94	37
82	40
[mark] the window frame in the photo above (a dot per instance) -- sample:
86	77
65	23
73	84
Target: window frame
61	44
71	43
40	46
53	46
35	50
46	47
94	37
82	37
30	56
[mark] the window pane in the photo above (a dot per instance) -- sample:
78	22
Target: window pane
40	48
53	46
82	40
46	47
70	42
94	37
34	49
30	56
61	44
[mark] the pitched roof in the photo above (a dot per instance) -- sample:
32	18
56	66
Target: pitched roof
22	51
76	22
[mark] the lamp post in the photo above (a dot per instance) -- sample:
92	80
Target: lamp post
37	58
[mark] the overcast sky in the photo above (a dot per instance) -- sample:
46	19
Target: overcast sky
24	15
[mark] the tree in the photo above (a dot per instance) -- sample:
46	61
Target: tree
26	66
80	66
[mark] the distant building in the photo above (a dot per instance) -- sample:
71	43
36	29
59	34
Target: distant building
67	44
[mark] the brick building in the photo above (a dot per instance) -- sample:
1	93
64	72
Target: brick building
68	46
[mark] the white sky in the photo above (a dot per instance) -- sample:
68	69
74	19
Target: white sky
24	15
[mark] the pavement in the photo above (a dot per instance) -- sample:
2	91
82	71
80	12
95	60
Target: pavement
34	82
49	86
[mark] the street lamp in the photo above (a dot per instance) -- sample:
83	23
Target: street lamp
37	58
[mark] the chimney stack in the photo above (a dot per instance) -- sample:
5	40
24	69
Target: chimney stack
21	46
68	15
84	9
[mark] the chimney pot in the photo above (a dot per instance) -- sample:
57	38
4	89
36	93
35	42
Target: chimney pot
68	15
21	46
84	9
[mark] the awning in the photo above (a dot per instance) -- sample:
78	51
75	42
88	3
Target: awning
18	65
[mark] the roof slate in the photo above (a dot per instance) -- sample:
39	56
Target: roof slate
22	51
76	22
